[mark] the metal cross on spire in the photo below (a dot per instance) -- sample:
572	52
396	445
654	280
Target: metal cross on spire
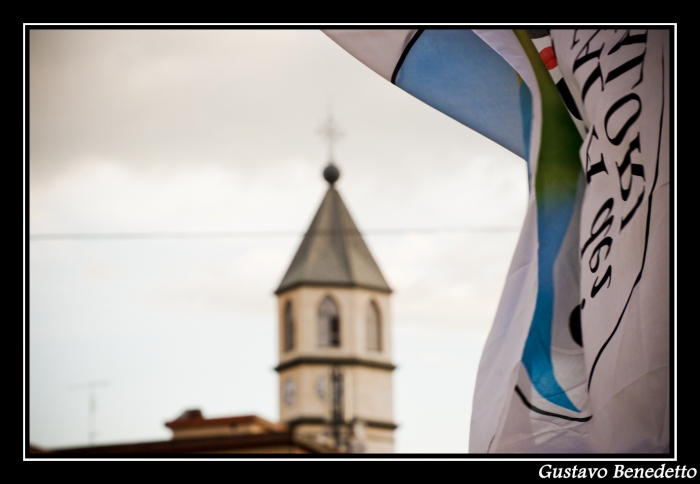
332	133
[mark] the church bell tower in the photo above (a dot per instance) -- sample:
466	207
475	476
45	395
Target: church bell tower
335	369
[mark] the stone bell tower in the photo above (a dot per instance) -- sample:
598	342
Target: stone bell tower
335	370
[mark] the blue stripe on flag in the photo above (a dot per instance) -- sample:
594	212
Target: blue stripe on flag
553	219
457	73
558	173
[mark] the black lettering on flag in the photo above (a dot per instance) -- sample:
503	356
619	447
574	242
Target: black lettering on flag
585	55
607	223
646	236
636	168
628	39
617	139
606	242
595	168
598	286
618	71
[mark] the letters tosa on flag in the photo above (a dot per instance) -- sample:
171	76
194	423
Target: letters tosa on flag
578	357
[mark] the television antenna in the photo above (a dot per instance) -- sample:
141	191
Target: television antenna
90	386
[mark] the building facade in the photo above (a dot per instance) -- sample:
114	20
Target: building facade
195	434
335	368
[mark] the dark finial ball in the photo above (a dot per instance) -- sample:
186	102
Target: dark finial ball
331	173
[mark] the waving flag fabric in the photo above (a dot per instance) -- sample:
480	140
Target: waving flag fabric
578	356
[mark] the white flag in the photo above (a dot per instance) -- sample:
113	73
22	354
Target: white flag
578	356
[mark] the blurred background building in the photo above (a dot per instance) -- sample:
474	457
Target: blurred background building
335	369
335	336
173	173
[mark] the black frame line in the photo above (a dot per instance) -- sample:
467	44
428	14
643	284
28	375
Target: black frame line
539	458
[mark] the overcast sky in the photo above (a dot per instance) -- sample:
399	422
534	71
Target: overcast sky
216	130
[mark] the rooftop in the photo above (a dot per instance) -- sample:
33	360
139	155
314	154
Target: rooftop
333	252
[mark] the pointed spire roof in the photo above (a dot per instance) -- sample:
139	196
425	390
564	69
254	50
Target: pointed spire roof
333	252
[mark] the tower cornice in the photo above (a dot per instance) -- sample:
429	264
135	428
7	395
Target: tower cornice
330	360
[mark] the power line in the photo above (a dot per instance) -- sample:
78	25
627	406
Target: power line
267	233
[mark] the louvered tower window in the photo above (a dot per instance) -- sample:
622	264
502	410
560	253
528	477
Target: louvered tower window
328	323
288	327
374	328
